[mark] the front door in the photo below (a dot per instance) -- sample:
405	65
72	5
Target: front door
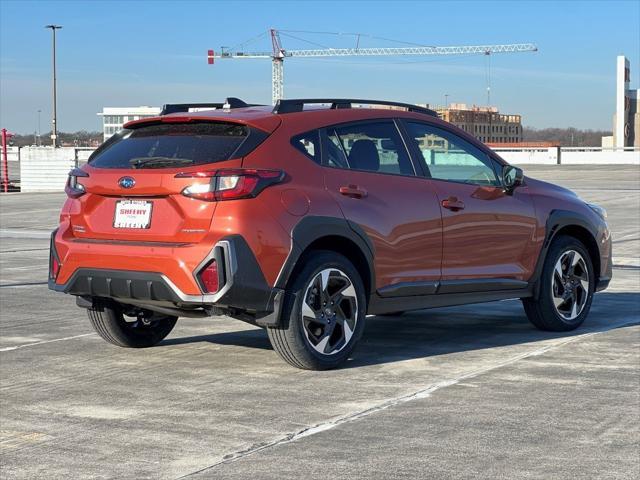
369	173
487	233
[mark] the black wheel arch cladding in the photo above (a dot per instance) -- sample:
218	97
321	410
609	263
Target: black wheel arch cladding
314	230
556	222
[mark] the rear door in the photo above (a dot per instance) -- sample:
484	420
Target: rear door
369	173
487	233
134	190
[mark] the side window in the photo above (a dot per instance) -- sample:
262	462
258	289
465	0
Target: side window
448	157
371	146
334	153
309	144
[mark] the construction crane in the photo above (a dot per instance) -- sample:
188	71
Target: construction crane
278	54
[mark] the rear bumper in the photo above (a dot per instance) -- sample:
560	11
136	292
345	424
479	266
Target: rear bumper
243	287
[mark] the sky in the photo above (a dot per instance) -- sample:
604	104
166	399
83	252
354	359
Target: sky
131	53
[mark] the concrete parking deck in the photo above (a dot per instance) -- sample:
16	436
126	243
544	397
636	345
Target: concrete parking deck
460	392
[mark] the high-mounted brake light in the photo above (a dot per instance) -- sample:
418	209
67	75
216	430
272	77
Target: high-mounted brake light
75	189
231	184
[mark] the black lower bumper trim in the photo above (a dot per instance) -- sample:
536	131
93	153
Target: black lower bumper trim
143	286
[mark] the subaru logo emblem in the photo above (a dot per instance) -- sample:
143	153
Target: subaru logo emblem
126	182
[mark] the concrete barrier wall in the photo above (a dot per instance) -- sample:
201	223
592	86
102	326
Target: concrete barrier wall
577	156
537	156
45	169
13	159
83	154
570	156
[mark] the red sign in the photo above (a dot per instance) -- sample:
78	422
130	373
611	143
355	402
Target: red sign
210	57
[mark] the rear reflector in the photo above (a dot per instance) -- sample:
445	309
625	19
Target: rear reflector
230	184
54	263
209	277
55	267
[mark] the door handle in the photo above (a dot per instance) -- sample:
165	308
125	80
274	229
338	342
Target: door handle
453	204
353	191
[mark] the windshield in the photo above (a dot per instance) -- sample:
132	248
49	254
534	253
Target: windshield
171	145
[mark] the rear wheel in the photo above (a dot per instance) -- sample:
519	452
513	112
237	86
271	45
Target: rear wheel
566	287
323	315
145	329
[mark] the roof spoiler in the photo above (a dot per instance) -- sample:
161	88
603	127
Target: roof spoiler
297	105
229	103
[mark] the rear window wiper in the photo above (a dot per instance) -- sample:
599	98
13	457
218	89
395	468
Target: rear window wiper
158	162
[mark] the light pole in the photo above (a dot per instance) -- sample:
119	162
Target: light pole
38	142
54	129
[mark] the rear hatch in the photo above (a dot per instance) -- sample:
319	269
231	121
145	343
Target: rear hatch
135	183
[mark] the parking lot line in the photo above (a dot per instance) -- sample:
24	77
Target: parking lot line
17	347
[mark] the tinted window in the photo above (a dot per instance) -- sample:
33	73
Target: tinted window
309	144
171	145
334	153
448	157
374	147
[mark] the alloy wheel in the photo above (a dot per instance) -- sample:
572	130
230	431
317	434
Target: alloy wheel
570	285
329	311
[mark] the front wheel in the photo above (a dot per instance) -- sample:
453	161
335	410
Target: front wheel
323	314
146	329
566	286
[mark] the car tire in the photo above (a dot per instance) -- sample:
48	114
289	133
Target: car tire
314	333
566	287
109	322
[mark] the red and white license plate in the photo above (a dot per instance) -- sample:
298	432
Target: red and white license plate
132	214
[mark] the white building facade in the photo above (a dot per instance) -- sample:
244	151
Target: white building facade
113	118
626	120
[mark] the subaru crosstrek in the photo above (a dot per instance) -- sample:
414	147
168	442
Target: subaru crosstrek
306	217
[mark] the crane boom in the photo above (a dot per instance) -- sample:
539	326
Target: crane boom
279	54
383	51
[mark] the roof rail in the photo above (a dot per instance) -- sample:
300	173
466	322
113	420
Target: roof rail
297	105
230	102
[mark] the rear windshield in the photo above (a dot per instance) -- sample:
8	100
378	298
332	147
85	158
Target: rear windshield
171	145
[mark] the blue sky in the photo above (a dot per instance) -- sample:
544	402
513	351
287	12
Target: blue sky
126	53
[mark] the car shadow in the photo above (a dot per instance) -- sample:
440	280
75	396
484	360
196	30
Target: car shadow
255	338
442	331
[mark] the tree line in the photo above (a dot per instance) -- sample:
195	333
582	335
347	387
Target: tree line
565	137
81	138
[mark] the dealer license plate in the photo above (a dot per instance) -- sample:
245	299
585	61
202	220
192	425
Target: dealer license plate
133	214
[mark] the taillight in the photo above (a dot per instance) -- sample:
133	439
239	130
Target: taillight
231	184
75	189
209	277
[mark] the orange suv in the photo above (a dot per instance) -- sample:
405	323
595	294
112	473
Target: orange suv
306	217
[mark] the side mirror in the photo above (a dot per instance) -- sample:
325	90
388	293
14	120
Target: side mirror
512	177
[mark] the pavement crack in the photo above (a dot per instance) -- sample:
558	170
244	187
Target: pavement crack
396	401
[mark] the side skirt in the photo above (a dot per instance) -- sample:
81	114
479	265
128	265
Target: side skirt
379	305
